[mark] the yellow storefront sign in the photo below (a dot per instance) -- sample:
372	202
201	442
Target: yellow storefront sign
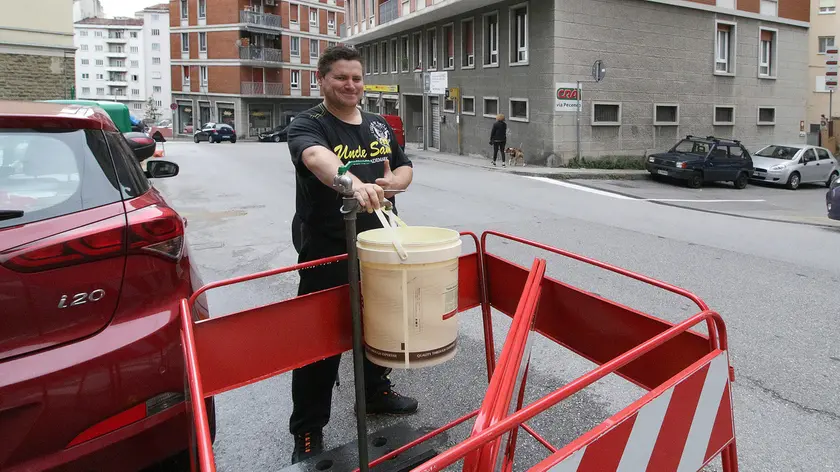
382	88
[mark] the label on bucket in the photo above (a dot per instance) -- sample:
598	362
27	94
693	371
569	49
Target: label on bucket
410	312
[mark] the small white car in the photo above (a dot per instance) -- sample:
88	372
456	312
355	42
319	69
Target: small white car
795	164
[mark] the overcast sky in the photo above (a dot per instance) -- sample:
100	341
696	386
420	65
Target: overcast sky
126	7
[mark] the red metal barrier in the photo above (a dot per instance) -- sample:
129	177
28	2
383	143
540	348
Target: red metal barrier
670	361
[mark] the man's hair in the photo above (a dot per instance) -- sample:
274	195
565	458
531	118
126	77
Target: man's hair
337	53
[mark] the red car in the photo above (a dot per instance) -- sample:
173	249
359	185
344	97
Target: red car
396	124
93	264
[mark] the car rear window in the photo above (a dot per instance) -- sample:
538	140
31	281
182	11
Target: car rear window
46	174
131	176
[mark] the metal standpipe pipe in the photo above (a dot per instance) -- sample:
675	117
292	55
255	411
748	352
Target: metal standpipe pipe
349	209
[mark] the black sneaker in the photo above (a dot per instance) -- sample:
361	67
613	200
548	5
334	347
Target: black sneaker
307	445
389	402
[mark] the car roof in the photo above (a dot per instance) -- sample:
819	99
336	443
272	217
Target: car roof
20	114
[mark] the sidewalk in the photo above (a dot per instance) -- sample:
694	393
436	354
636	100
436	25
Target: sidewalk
560	173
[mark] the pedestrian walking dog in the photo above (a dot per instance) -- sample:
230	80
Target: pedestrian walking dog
515	155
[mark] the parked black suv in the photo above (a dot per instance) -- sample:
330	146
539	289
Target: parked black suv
697	160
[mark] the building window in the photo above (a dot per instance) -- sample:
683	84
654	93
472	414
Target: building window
491	107
825	43
468	105
100	77
769	7
417	48
156	75
135	49
138	106
184	10
404	61
606	114
100	62
202	74
725	41
331	21
366	57
135	78
85	62
491	38
724	115
827	7
295	45
98	48
135	63
395	57
314	48
85	76
82	33
202	8
185	70
431	49
135	91
85	90
185	42
202	42
375	58
383	50
666	114
155	32
519	109
313	80
98	34
156	60
155	46
767	53
294	13
84	47
519	34
449	46
157	89
295	79
766	116
134	34
468	44
100	90
313	17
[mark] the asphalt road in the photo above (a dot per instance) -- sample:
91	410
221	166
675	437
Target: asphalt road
776	285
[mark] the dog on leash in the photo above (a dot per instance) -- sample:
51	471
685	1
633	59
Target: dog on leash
515	155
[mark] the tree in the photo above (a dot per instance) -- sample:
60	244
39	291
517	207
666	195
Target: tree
152	112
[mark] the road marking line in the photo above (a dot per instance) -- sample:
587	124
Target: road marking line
607	193
580	187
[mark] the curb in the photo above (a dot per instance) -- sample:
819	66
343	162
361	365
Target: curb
559	175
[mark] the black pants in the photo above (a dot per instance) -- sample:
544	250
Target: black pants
312	385
499	147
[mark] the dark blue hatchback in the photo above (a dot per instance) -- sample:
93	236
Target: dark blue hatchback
832	200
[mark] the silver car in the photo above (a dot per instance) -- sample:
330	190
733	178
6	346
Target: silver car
795	164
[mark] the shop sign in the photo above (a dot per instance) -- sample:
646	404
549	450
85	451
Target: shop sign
382	88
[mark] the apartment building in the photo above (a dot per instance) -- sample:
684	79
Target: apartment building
706	67
36	51
156	69
825	25
248	63
109	61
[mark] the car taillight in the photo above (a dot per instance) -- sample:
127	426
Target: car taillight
151	407
153	230
157	230
92	242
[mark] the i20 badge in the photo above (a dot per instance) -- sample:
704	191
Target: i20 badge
81	298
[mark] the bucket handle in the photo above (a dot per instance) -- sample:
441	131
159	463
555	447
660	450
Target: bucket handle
389	227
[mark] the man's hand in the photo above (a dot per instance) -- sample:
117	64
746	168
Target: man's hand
388	181
369	196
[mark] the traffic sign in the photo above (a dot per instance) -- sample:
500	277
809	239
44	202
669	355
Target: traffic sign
831	69
173	106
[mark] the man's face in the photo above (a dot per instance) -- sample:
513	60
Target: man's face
343	85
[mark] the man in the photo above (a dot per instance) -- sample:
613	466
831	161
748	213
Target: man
320	140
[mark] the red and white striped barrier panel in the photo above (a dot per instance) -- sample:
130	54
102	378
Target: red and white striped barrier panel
680	426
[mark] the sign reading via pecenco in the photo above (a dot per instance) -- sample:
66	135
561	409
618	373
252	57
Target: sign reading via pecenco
566	97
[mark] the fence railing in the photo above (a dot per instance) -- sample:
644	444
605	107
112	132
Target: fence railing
259	19
261	88
254	53
389	11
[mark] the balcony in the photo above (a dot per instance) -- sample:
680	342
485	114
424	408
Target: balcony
116	40
117	82
260	22
258	54
264	89
389	11
116	54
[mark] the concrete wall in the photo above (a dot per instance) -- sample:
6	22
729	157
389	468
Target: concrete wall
821	25
533	82
656	53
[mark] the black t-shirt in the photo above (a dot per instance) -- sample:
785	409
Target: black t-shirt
319	206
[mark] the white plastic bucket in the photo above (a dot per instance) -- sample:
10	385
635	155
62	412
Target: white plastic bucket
410	305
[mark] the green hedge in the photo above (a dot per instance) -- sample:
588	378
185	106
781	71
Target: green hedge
608	162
